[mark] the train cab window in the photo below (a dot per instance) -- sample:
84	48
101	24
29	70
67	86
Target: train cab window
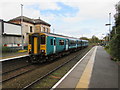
30	28
51	41
43	39
61	42
30	39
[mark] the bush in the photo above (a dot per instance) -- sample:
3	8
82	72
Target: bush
8	50
25	47
107	47
115	47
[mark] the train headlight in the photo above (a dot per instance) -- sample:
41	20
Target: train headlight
29	50
42	51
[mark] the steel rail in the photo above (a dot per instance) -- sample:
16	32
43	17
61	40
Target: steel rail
18	75
34	82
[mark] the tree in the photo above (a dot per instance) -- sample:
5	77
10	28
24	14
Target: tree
94	39
115	36
115	47
84	38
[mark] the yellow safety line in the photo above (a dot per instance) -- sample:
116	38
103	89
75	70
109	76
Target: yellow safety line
85	78
5	57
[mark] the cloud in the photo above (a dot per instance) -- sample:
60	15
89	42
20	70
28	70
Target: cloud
89	19
49	6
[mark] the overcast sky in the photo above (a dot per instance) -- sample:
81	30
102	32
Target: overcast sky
68	17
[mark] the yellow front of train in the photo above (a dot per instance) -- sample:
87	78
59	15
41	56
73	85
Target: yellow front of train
37	47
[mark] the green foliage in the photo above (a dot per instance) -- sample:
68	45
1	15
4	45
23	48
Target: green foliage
107	47
84	38
115	47
8	50
26	47
117	21
115	36
94	40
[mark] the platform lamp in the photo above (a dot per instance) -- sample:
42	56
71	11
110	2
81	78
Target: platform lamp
53	30
22	26
109	24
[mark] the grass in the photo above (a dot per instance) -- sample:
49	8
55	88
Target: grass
52	79
107	49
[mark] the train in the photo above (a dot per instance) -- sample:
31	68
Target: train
44	47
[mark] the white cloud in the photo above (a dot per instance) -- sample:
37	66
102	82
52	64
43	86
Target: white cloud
48	6
95	11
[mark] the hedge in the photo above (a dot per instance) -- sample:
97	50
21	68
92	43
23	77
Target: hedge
115	47
8	50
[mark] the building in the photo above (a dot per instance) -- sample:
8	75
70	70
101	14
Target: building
11	34
31	26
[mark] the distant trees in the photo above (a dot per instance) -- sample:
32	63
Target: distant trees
84	38
94	39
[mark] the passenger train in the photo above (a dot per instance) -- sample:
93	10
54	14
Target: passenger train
47	46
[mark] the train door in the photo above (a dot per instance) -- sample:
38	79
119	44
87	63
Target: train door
54	45
35	44
66	45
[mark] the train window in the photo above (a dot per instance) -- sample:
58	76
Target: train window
51	41
72	42
30	28
43	39
54	42
61	42
30	39
79	42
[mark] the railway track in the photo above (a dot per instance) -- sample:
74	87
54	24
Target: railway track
44	70
55	69
29	85
14	69
11	65
20	71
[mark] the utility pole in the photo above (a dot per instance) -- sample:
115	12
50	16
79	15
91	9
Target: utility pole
22	26
109	25
53	30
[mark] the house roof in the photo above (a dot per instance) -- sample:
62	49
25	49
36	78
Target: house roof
33	21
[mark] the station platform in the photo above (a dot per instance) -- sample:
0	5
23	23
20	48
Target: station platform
9	56
94	70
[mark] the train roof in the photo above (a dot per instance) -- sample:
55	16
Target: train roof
85	40
62	36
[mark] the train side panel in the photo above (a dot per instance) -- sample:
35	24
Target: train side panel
72	44
49	45
60	44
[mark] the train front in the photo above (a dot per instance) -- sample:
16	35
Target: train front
37	47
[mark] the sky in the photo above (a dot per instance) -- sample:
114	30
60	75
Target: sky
74	18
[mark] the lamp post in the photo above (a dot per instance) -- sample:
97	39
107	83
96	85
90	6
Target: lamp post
109	24
22	26
53	30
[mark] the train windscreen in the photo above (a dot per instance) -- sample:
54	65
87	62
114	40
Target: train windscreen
43	39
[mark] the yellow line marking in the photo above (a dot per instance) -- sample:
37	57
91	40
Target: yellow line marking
85	78
14	56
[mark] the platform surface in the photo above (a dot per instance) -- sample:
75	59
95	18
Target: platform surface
105	71
96	70
10	56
